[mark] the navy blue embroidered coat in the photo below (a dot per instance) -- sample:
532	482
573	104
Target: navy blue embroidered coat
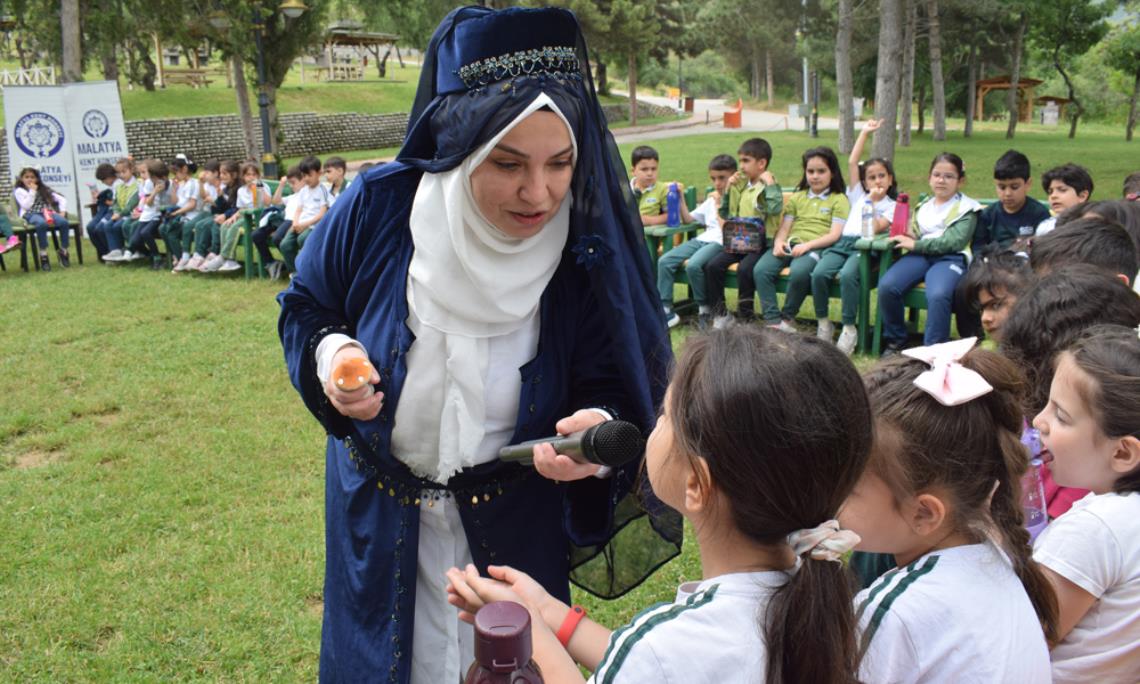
602	342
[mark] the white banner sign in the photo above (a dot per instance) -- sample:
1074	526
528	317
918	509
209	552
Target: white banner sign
66	132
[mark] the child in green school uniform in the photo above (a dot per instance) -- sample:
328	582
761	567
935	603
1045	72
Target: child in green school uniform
752	193
813	221
651	196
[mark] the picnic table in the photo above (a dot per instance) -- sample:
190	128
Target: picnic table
198	78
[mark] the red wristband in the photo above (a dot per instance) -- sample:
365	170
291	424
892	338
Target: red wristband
573	617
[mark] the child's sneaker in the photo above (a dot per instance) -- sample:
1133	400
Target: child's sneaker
825	330
12	243
113	255
213	264
672	319
182	264
195	262
785	326
848	339
229	265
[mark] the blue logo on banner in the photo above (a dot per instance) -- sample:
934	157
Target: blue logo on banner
39	135
95	123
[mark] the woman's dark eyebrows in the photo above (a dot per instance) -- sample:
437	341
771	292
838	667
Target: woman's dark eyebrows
524	155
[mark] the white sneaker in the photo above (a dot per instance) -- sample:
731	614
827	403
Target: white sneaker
195	262
672	319
825	330
229	265
213	264
126	255
113	255
132	256
182	264
721	322
848	339
786	327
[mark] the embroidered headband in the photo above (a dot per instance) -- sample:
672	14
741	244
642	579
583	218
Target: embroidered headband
826	542
545	60
948	381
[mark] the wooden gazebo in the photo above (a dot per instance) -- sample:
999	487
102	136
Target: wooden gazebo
347	35
1025	87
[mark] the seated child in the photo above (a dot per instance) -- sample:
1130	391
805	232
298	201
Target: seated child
1015	215
43	209
10	241
187	191
938	243
1046	320
154	198
197	232
1091	554
942	494
752	193
1067	186
313	201
695	253
652	196
252	194
103	196
335	170
1132	187
118	230
774	602
813	221
872	188
992	286
1092	241
275	223
224	207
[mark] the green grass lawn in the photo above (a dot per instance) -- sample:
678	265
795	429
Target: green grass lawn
161	484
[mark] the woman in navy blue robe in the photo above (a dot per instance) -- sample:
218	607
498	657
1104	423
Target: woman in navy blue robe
392	273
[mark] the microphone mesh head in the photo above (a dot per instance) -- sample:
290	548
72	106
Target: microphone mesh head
613	443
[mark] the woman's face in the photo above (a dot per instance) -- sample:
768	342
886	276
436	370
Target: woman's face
521	184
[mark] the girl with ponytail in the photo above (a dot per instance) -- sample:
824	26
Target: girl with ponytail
762	437
942	494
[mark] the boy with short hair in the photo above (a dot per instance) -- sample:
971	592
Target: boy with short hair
1015	215
276	223
993	285
1092	241
335	170
651	196
1067	186
752	193
313	201
103	195
126	199
700	249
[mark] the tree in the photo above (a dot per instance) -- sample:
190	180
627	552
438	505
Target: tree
887	77
843	78
1015	73
1124	54
906	98
71	48
1065	30
937	85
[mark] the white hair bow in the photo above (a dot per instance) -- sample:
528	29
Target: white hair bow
948	381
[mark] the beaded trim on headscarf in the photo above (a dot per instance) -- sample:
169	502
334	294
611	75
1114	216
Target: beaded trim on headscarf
544	60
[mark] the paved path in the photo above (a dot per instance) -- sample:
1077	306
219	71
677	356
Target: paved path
707	118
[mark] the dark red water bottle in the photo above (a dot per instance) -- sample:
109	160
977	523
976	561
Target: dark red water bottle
900	223
503	646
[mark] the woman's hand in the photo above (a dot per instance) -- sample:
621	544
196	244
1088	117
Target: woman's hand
560	467
904	241
362	403
469	592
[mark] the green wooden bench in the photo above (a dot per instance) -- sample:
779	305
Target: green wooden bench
250	219
27	235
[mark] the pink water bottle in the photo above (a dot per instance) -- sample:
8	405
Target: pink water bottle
48	217
900	223
503	646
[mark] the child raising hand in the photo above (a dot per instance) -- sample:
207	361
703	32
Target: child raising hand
774	602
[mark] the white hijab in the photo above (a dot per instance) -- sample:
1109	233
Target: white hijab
467	282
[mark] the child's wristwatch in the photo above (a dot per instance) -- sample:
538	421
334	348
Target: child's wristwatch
569	624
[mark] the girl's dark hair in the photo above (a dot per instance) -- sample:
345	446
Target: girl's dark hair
952	159
962	450
784	425
1110	356
43	192
234	169
181	162
247	167
156	168
1125	213
212	166
828	156
893	190
997	270
1053	312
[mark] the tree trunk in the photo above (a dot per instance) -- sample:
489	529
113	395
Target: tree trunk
110	62
937	85
1011	99
1131	125
275	135
399	57
632	62
906	99
1075	110
25	56
754	77
843	78
146	65
72	71
887	77
971	89
602	85
382	63
770	78
245	115
921	108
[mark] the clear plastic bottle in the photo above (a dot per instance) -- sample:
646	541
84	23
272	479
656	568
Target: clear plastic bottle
868	219
503	646
1033	486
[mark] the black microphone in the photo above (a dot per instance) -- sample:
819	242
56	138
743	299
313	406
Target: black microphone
612	443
